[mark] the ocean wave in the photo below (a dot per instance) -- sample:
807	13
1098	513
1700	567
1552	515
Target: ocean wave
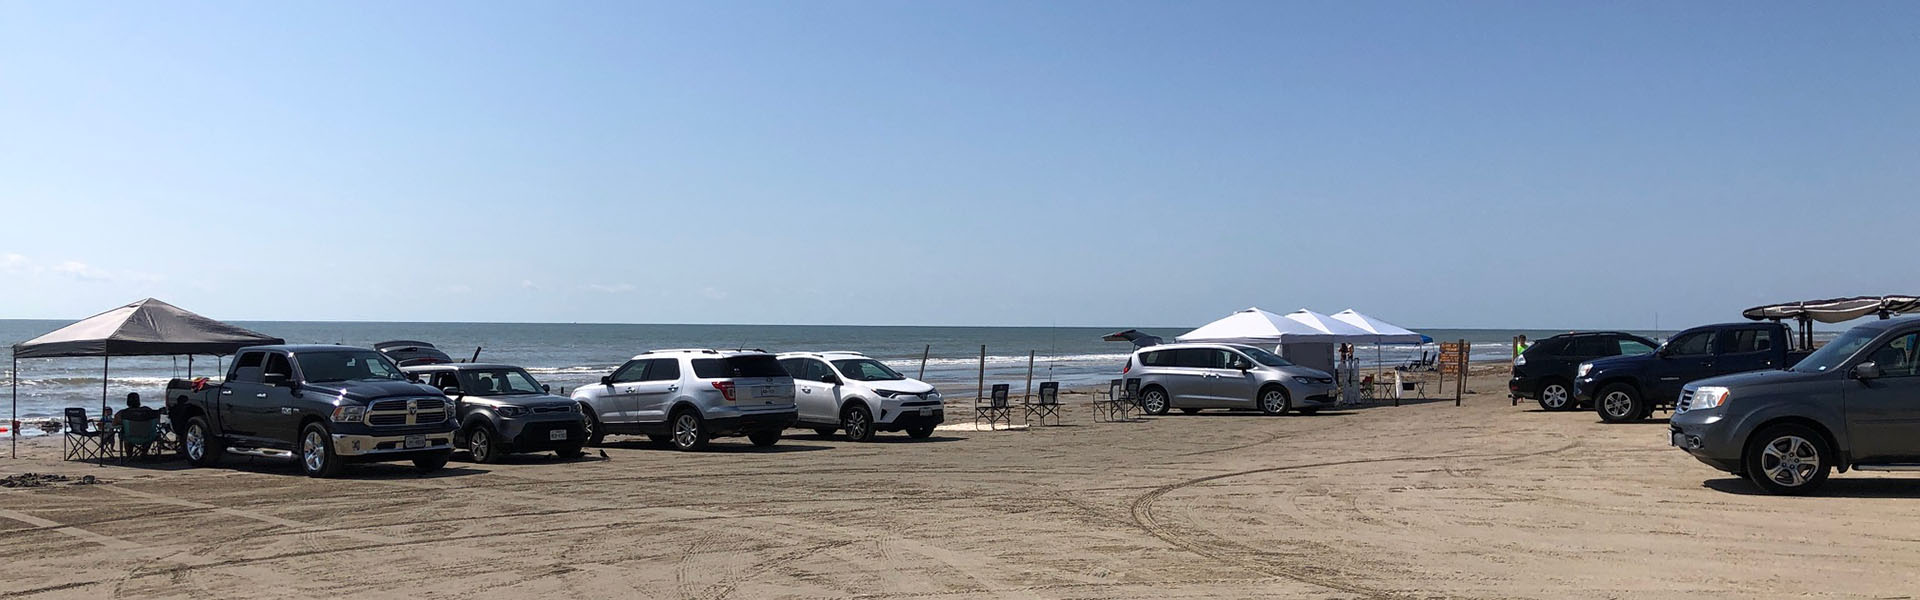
82	381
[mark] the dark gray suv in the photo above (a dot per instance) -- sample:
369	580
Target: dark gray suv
1854	403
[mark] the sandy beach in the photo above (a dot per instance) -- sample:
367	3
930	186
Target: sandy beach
1426	500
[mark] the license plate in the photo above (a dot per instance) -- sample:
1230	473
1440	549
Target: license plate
557	435
926	412
416	441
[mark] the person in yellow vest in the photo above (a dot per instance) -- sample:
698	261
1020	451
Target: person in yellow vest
1519	345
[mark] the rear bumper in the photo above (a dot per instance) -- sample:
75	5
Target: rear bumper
746	423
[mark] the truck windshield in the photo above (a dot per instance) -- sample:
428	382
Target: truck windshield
346	365
1266	358
498	382
1835	352
867	369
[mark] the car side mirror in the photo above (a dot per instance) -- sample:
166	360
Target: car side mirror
830	379
413	377
606	380
1866	370
546	388
274	379
450	391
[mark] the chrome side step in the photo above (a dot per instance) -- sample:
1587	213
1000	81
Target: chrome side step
1898	467
263	453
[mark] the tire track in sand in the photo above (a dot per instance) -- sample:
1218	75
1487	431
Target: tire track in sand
1272	564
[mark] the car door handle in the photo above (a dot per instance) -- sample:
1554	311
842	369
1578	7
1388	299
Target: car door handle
260	395
226	392
673	388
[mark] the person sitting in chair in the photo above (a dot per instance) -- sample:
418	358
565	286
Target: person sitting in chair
133	412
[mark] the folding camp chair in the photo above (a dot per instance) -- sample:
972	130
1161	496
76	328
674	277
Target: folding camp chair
137	437
995	407
83	441
1130	394
1104	402
1047	403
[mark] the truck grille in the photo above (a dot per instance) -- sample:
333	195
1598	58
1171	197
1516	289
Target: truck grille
396	412
1686	400
554	408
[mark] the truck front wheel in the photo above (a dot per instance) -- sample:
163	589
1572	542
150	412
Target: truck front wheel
1620	403
316	452
198	444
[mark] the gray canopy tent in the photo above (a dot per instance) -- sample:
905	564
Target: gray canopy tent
1832	310
145	328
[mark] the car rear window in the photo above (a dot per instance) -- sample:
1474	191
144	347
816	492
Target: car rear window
759	365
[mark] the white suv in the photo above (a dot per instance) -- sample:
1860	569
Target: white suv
687	397
849	392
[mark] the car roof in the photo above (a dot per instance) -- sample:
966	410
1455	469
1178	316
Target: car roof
1179	345
297	348
675	352
457	367
824	354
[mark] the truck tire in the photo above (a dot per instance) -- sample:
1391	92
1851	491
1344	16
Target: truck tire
689	430
1788	459
1555	396
765	439
432	462
1620	403
316	452
484	444
198	444
857	422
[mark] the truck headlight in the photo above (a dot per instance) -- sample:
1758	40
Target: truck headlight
1584	369
349	414
1709	396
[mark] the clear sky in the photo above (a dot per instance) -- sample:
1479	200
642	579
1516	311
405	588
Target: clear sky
1437	164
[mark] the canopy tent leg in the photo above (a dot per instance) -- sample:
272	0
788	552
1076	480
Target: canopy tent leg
13	421
105	362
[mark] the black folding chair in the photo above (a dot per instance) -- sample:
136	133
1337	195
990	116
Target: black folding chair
995	408
1131	395
83	441
1047	403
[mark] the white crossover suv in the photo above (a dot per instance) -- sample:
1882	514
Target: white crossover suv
849	392
687	397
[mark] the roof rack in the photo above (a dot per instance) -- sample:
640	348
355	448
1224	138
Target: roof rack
697	350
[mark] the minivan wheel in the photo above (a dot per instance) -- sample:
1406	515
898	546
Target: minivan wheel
1788	459
1274	401
1153	401
1619	403
689	433
1554	396
858	423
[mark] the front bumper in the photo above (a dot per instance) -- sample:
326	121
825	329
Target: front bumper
529	435
914	418
1707	437
1312	395
375	446
1523	387
892	410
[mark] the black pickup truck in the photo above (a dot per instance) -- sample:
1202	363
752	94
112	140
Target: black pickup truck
322	406
1630	388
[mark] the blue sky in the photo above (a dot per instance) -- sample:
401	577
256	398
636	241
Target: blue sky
1485	164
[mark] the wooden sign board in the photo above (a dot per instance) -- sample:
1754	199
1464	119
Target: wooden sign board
1453	357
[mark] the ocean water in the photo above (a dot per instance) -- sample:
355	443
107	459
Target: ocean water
567	355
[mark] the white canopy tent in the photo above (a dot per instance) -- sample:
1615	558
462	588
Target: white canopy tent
1382	331
1303	336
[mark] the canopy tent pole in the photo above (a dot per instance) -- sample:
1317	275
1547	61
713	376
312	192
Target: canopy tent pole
105	361
14	421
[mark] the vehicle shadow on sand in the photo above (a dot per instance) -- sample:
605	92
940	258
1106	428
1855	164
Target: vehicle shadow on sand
716	446
268	466
1838	487
888	439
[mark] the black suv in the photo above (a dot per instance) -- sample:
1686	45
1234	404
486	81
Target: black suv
1545	371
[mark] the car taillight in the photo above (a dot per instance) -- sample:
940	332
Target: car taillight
726	389
1126	367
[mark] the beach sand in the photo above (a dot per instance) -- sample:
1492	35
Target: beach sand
1423	500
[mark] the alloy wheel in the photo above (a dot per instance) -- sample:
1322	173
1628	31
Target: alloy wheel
1154	401
1618	403
1555	396
196	443
1790	460
480	443
1273	401
857	425
314	451
686	430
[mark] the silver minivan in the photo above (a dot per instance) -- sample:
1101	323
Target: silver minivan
1192	377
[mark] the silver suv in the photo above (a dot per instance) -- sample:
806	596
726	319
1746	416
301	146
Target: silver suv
849	392
687	397
1192	377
